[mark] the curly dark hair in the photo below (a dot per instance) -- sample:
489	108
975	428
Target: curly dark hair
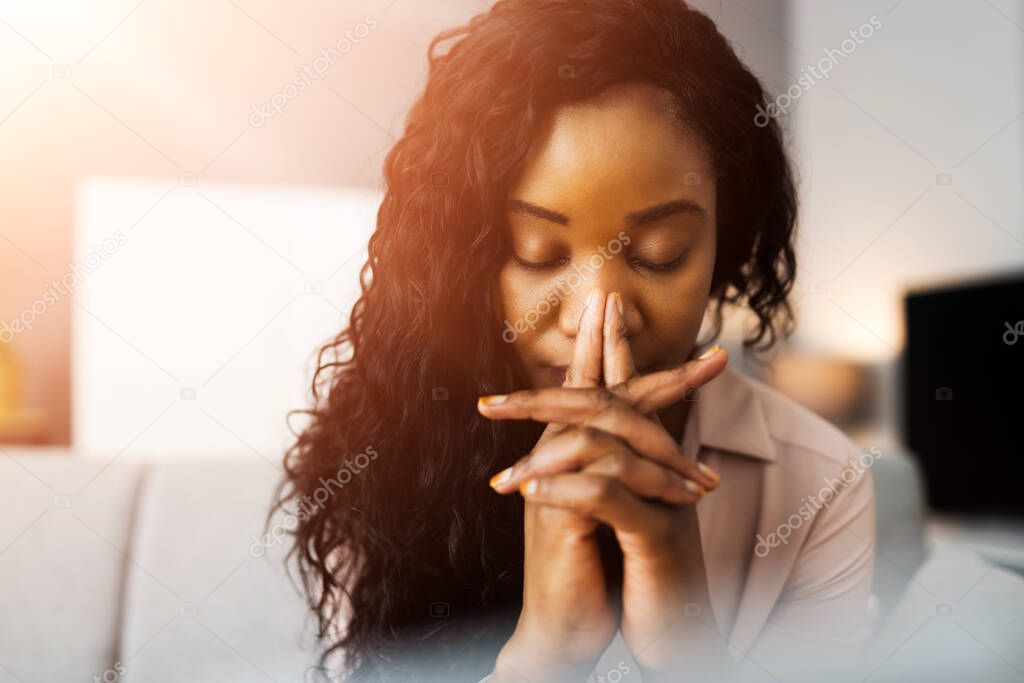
414	555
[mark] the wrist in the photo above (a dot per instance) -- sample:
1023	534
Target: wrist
529	657
700	653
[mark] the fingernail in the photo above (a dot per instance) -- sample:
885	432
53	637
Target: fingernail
501	477
707	471
528	487
493	400
694	487
710	352
618	303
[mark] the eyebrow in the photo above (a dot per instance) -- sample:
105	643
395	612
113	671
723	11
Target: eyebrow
648	215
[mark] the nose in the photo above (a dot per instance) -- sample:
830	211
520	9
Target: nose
574	304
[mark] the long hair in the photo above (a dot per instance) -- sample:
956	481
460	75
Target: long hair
415	553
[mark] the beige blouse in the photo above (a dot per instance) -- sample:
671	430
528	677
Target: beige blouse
790	531
788	536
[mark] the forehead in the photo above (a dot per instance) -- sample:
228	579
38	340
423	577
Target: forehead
623	146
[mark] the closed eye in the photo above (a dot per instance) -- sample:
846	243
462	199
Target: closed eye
637	263
665	267
539	265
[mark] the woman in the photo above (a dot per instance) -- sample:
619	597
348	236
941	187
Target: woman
579	183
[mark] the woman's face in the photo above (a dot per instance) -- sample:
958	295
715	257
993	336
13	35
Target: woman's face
613	195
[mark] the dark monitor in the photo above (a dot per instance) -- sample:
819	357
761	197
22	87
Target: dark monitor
963	394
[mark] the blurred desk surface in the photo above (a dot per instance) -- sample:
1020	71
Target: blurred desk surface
999	540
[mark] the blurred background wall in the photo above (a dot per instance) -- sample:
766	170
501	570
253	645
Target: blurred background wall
910	152
161	90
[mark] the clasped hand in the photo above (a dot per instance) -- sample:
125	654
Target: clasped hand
605	457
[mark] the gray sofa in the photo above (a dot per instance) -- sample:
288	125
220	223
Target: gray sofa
143	570
156	571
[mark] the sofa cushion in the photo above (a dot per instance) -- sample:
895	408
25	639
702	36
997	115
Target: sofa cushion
203	603
64	547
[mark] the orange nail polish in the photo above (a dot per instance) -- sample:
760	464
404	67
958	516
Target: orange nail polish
710	352
493	400
501	477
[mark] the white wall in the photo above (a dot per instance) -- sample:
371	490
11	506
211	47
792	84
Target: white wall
939	89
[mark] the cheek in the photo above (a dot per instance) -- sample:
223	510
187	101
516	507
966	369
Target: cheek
529	303
676	308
